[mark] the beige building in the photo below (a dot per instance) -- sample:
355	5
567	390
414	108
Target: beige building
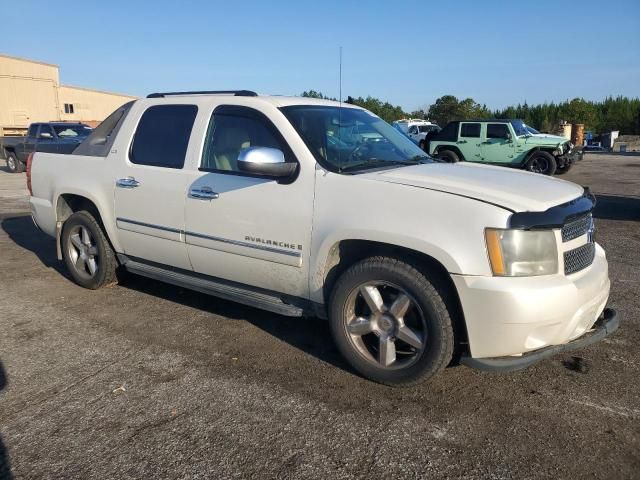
30	91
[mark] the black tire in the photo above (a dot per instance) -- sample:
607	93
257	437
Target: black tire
422	145
565	169
97	249
448	156
13	164
542	162
427	305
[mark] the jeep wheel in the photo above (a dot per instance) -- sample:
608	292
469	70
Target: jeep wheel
390	323
87	252
13	164
564	169
542	162
448	156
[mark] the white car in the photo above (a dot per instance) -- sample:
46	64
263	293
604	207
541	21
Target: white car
287	204
417	130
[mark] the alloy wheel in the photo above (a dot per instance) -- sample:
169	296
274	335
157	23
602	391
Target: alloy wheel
11	164
385	325
83	251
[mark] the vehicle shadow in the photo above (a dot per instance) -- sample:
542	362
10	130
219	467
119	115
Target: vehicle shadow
5	468
310	335
617	207
24	233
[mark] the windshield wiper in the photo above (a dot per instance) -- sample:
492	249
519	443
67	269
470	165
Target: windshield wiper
378	161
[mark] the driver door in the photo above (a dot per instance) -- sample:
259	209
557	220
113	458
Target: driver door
498	145
243	227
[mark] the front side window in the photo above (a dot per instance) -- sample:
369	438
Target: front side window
228	134
470	130
45	132
350	139
497	130
72	131
162	136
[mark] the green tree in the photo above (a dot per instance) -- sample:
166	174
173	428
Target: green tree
448	108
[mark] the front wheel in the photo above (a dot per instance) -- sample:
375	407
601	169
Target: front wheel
87	252
390	323
542	162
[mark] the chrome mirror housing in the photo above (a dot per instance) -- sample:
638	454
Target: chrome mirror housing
265	161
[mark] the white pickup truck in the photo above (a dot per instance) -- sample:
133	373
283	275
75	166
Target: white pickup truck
280	203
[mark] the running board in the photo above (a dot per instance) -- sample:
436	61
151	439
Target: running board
215	287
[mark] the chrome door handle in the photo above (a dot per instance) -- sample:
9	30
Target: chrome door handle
203	193
128	182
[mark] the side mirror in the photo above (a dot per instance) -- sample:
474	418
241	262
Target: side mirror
265	161
45	135
509	138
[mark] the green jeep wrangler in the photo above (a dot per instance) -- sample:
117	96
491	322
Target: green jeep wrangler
508	143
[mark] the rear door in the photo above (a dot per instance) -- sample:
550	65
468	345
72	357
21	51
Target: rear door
498	145
29	144
46	140
469	141
151	182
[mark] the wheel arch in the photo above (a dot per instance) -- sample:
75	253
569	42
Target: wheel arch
453	148
69	203
345	253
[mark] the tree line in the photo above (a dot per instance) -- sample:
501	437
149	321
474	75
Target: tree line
612	113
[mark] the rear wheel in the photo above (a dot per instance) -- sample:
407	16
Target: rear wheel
13	164
448	156
542	162
87	252
390	323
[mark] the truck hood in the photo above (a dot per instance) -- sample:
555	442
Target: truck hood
544	139
514	190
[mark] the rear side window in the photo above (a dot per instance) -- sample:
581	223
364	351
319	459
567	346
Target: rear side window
162	136
470	130
497	130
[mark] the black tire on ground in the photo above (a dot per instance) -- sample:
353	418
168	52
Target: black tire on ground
448	156
87	253
13	164
422	145
427	316
542	162
565	169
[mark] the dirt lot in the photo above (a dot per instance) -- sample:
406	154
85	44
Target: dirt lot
144	380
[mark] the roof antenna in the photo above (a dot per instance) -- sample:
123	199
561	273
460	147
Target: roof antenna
340	89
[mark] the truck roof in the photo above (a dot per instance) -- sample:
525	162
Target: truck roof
251	97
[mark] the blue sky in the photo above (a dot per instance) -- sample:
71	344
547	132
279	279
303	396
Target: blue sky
409	53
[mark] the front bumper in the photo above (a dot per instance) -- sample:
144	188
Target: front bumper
572	157
512	316
604	326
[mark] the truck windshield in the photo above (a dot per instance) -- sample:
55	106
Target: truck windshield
520	128
72	131
352	140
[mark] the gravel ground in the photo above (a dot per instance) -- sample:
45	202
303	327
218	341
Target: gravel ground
144	380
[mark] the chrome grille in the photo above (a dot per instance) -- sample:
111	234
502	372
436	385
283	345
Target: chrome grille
579	258
577	227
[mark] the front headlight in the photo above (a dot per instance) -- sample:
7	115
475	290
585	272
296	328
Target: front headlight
521	253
